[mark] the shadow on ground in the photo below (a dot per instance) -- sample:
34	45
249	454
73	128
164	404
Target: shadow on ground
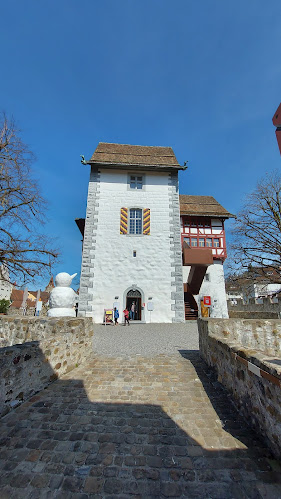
61	444
221	400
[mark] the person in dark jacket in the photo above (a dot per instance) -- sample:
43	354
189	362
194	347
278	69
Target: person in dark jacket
116	316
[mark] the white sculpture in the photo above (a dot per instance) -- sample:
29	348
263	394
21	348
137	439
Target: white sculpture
62	297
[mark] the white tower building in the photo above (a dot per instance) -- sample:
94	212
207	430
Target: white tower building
132	239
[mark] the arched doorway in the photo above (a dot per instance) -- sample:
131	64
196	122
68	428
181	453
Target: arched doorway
133	295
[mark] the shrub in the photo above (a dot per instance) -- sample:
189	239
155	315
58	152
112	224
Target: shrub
4	305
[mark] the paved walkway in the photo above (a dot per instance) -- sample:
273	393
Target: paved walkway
134	426
145	339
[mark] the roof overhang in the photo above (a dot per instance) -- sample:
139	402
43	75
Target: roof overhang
223	216
130	166
80	222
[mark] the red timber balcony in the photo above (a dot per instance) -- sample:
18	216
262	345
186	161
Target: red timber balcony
198	259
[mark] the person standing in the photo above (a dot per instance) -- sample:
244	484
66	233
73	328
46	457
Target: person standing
133	307
126	316
116	316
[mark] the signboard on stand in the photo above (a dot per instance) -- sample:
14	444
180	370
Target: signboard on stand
108	316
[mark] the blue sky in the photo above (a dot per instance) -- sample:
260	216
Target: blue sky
201	77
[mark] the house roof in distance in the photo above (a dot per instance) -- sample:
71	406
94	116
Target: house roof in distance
202	206
126	156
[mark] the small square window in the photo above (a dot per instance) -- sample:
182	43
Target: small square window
209	242
136	182
207	278
193	241
201	242
216	243
134	253
187	240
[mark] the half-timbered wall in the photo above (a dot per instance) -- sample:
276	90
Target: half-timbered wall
204	233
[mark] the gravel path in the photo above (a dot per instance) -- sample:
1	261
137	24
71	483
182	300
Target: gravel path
145	339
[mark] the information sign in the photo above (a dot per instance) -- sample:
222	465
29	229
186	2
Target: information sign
207	301
108	316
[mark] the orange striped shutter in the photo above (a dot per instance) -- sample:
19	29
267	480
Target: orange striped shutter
124	221
146	221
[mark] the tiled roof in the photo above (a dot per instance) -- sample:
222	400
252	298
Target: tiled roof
50	285
202	206
127	155
44	295
17	297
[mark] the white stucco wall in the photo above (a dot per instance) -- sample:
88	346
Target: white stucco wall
265	289
115	268
215	288
5	290
5	286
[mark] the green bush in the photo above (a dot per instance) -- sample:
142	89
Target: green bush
4	305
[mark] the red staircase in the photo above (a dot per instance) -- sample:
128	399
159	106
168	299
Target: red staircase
191	308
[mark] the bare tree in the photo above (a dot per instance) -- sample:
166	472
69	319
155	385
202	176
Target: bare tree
257	231
24	251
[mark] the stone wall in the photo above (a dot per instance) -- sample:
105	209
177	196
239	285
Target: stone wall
30	312
252	376
263	335
246	314
265	307
36	352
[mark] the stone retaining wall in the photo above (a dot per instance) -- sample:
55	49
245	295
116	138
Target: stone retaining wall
266	309
36	352
15	330
246	314
252	376
30	312
263	335
266	306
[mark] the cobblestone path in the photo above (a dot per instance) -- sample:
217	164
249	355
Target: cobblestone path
137	427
